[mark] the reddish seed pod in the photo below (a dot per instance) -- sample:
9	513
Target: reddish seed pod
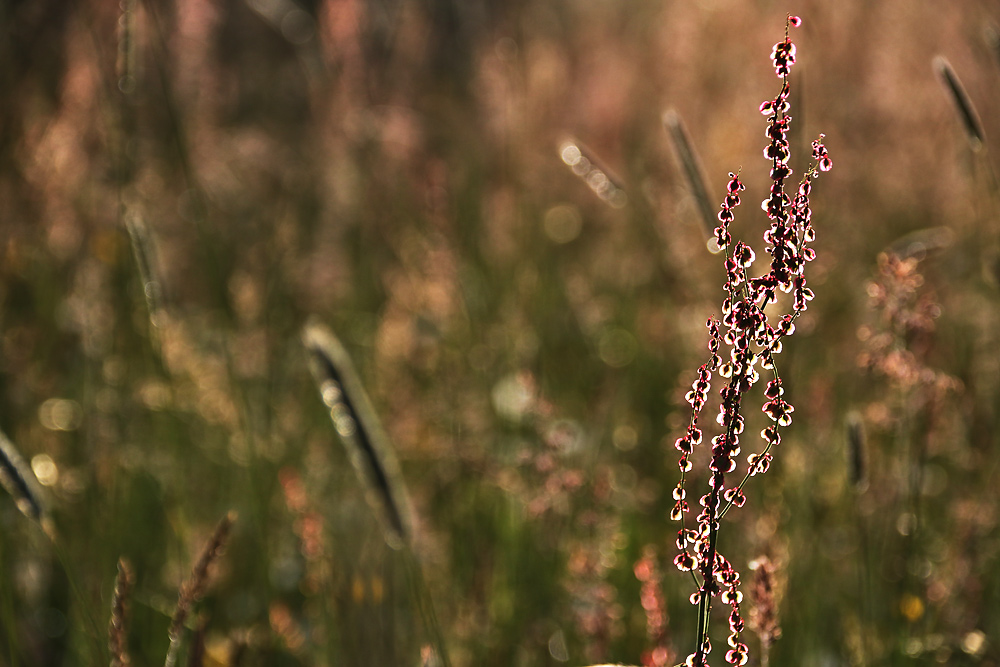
685	563
735	622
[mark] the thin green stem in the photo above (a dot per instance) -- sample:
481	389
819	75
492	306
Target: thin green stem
425	605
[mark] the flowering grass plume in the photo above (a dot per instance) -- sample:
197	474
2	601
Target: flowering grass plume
598	178
764	613
753	339
963	104
118	625
194	588
355	420
692	169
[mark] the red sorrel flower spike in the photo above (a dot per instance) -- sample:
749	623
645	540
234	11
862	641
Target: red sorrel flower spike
753	338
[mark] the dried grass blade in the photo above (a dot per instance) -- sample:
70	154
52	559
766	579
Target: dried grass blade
125	70
921	242
856	451
584	163
967	113
125	65
692	169
21	483
194	588
992	37
144	250
355	420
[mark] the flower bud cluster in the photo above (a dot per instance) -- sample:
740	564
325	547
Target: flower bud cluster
752	339
783	53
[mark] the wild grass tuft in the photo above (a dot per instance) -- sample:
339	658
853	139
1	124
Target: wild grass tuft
530	334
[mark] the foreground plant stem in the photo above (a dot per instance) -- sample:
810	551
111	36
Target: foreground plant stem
753	341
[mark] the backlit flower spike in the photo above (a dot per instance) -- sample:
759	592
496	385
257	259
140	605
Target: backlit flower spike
753	339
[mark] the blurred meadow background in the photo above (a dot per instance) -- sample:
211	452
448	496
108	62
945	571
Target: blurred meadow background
395	169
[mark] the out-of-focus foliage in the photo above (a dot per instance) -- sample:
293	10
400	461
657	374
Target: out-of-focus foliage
396	168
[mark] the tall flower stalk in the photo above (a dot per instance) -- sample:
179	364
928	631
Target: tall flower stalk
752	339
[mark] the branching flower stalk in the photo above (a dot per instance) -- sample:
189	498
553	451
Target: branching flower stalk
753	341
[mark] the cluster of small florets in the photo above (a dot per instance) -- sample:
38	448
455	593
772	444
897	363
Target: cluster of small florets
722	236
753	341
896	346
783	53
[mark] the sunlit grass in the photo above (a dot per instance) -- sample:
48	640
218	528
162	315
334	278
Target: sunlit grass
526	337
